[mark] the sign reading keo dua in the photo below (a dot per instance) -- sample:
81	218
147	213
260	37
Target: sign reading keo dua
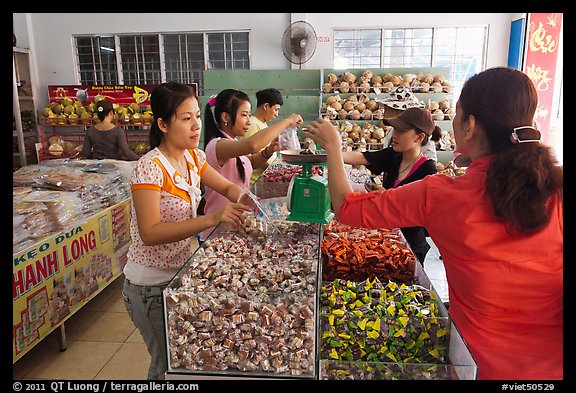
54	278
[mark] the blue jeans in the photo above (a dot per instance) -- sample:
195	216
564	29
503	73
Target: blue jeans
145	307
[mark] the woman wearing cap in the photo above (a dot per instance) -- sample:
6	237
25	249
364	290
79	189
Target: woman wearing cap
105	139
499	227
402	163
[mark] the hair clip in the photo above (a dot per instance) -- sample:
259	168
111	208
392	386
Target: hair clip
515	139
212	100
100	109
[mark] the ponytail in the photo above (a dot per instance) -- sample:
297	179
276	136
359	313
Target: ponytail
227	101
523	179
435	136
521	182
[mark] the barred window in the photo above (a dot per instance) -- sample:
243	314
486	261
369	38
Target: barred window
155	58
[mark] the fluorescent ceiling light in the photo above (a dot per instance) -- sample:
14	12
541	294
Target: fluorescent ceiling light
107	49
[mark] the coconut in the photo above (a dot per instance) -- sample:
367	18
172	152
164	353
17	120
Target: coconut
353	87
372	105
342	114
134	108
378	133
428	78
55	149
449	114
327	88
330	100
424	87
86	118
136	119
66	101
347	126
378	114
440	167
78	106
349	77
90	107
368	74
69	109
61	120
361	107
348	105
336	105
120	111
387	87
69	148
147	118
439	78
46	112
443	105
125	119
57	108
446	87
432	105
438	115
367	115
98	97
365	87
408	78
376	79
55	139
387	77
344	87
73	118
355	114
436	87
396	80
141	148
331	78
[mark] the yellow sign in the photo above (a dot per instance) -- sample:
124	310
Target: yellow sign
54	278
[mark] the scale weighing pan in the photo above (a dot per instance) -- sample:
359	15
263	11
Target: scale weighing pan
296	156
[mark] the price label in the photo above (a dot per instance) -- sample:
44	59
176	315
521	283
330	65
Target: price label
322	39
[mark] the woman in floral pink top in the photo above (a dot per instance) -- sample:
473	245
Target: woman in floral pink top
165	195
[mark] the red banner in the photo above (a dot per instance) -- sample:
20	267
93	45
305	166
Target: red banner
541	57
117	94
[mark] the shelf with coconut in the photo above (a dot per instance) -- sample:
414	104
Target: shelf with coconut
357	101
63	126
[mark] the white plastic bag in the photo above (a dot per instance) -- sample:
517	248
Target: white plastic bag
288	139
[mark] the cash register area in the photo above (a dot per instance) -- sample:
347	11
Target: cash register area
103	344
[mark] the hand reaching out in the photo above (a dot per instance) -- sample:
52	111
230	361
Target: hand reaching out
324	134
296	120
231	213
248	200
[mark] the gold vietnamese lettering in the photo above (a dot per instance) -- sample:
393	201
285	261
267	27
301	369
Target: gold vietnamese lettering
540	41
539	77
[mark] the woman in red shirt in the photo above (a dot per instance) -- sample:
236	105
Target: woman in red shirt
499	227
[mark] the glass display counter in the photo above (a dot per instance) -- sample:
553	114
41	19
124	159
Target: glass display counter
250	305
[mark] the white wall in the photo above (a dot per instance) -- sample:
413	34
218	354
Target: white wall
52	46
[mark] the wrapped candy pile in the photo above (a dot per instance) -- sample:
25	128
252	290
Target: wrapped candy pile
358	254
370	321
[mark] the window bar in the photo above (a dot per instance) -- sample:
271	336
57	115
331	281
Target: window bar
162	54
119	69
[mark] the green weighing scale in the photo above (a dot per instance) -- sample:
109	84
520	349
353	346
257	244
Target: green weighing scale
308	196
